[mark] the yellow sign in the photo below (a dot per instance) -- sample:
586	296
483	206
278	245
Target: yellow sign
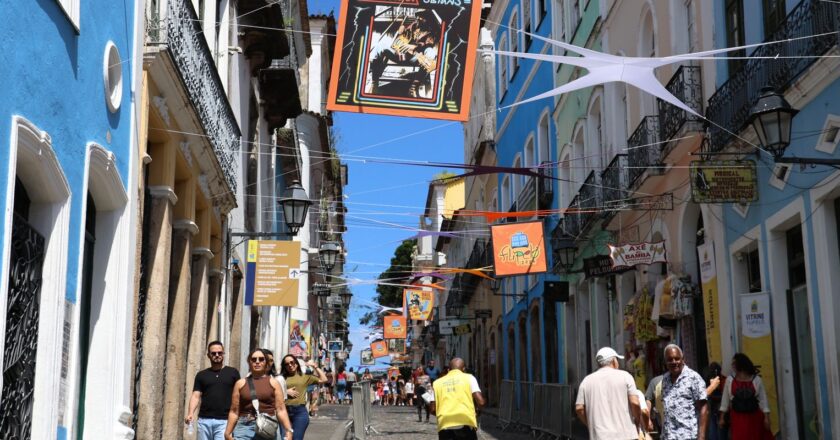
723	181
757	344
708	282
272	273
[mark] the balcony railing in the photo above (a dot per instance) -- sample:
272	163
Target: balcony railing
644	149
546	186
173	25
571	219
730	106
687	86
527	198
615	180
590	199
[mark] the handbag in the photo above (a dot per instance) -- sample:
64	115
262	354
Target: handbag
266	425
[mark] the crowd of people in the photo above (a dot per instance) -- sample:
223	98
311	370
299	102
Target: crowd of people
677	405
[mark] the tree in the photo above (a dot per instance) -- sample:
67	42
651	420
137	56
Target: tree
397	273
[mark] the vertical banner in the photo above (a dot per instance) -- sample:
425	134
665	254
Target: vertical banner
299	338
757	344
272	273
708	282
379	349
518	248
405	58
395	327
420	303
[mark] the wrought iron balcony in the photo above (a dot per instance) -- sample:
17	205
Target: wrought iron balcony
527	198
571	220
686	85
173	26
730	106
589	199
546	185
615	180
644	150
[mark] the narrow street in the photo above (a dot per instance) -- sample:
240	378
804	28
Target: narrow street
330	422
399	422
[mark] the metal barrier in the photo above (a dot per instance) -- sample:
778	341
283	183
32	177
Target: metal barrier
505	404
361	410
544	408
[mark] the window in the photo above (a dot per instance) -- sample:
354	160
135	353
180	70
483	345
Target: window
647	48
558	27
517	180
503	68
753	271
513	26
689	18
774	15
543	141
735	33
574	18
565	181
526	21
71	9
505	194
530	157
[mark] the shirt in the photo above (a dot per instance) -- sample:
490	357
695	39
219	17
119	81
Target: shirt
680	420
409	388
604	394
299	382
216	388
650	394
453	395
433	373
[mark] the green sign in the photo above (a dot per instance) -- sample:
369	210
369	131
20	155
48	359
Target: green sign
723	181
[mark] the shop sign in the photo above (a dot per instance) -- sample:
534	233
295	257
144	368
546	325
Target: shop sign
395	327
629	255
723	181
272	273
600	265
518	248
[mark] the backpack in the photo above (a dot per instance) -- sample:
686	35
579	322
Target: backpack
744	400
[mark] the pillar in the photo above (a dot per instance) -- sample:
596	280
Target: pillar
199	293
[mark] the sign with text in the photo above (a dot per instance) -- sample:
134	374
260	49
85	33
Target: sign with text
272	273
379	349
723	181
395	327
711	309
600	265
629	255
420	303
518	248
405	58
757	343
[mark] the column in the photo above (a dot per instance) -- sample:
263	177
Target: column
199	293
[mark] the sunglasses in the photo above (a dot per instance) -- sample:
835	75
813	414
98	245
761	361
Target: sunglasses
216	353
291	363
257	359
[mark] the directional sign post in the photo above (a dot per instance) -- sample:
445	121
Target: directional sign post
273	273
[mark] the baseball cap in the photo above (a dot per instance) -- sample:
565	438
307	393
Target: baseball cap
606	353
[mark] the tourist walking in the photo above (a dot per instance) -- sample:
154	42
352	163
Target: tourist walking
409	392
456	397
260	386
683	399
295	379
341	385
423	386
432	371
745	399
212	390
351	379
607	402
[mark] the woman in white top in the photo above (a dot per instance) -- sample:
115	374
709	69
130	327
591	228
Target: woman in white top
409	392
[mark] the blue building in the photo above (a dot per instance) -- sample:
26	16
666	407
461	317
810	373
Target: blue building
66	271
786	243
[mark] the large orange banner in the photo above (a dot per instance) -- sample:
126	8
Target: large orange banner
420	303
518	248
379	349
395	327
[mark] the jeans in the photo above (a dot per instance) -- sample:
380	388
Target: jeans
245	429
341	386
211	429
299	418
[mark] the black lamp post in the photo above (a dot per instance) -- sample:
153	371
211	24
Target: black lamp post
295	204
346	296
565	250
327	253
772	118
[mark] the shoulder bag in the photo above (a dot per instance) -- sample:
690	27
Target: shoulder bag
266	425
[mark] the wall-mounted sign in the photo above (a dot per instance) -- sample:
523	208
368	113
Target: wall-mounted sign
379	349
629	255
367	357
518	248
335	345
395	327
723	181
420	303
300	336
600	265
462	330
272	273
405	58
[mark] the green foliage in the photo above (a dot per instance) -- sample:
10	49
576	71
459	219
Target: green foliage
444	175
391	296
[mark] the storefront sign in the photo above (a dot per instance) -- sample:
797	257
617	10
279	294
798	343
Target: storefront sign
405	58
272	273
420	303
708	283
518	248
723	181
629	255
395	327
600	265
379	349
757	343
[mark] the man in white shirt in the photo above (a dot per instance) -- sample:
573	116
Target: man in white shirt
607	402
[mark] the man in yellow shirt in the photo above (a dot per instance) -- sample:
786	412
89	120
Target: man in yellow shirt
456	396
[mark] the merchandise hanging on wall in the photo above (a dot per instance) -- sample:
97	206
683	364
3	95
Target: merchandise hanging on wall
405	58
299	338
518	248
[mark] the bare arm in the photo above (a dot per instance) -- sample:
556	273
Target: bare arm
280	407
635	407
478	398
233	414
580	410
195	400
322	378
713	385
704	418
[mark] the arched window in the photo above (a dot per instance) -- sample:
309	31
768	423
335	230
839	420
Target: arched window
565	171
647	48
578	159
506	199
595	128
536	342
530	153
543	140
513	35
503	68
517	179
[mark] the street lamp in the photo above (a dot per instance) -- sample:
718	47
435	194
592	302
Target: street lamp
327	253
565	250
295	204
771	119
346	296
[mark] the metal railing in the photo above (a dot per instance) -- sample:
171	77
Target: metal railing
615	180
526	200
644	150
544	408
361	410
590	199
546	185
686	85
775	65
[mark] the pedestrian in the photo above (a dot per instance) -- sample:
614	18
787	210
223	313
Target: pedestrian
260	386
212	389
380	393
409	393
341	384
295	379
422	390
432	371
607	402
351	380
455	400
366	375
683	399
714	394
386	391
745	399
653	399
401	387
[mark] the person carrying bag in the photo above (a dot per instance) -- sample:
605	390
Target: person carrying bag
266	425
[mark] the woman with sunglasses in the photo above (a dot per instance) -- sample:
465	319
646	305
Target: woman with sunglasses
295	379
242	417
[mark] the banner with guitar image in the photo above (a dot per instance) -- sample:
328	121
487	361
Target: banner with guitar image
405	58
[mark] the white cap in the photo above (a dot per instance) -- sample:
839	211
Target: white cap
605	354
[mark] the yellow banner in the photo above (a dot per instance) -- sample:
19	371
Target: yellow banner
708	282
757	344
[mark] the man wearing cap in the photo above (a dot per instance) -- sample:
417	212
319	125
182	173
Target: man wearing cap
607	402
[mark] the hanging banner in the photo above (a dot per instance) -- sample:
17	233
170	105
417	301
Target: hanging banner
272	273
395	327
335	345
379	349
420	303
723	181
711	309
630	255
367	357
405	58
518	248
299	338
757	344
396	346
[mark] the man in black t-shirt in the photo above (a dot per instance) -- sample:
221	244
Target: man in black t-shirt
213	387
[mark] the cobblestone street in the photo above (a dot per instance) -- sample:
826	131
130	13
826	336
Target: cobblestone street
398	423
